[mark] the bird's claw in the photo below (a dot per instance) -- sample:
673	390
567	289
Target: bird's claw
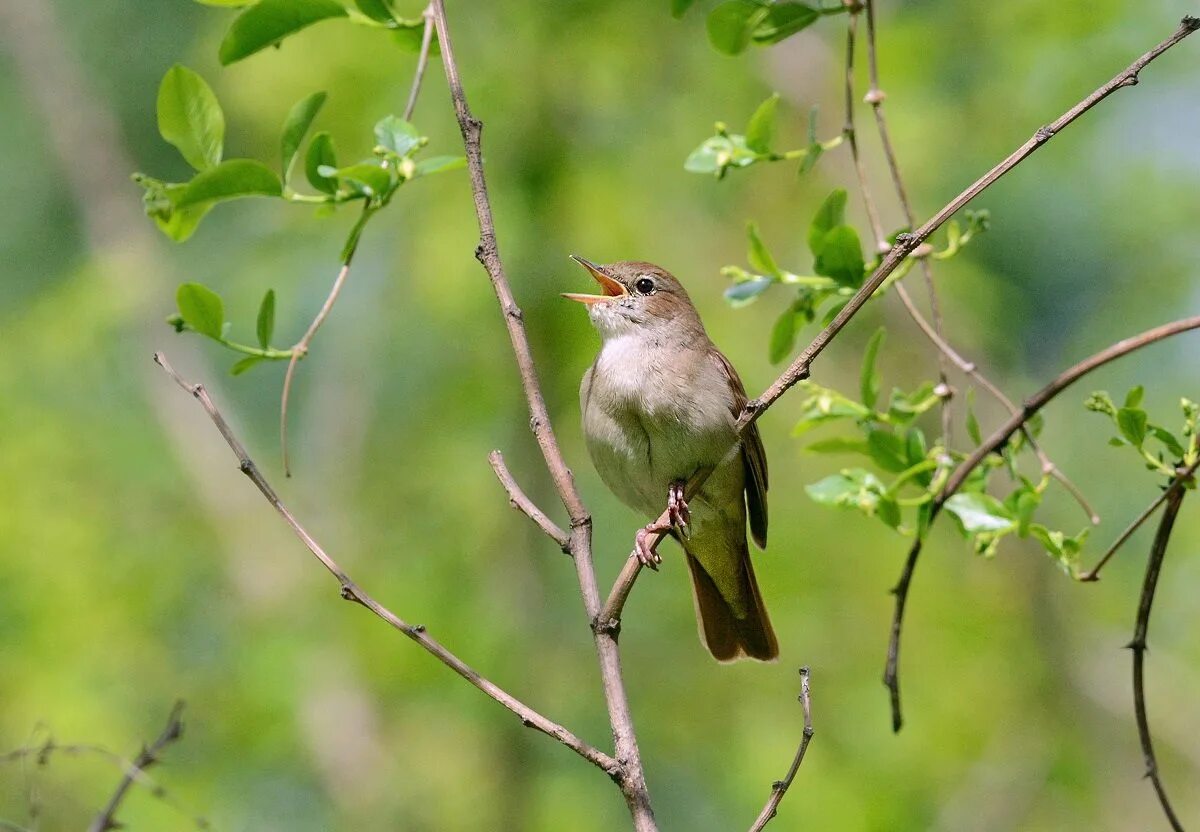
644	542
677	510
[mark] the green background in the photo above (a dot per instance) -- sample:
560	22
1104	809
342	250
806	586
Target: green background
137	565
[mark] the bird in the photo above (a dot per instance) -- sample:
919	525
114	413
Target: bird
659	407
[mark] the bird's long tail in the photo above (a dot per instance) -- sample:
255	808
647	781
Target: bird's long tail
733	623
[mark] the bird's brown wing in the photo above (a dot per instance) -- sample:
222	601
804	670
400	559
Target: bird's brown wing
754	458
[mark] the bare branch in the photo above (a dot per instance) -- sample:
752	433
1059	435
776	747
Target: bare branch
351	591
107	819
422	62
1157	552
519	500
780	787
991	445
631	778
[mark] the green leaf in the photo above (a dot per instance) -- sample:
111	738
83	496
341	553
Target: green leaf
841	257
320	154
1132	422
869	379
1173	445
270	21
180	224
1134	397
397	135
809	160
914	445
245	364
266	319
1063	549
887	450
837	445
368	177
440	164
230	180
757	254
1027	502
888	510
905	407
731	25
190	117
719	153
973	423
376	10
761	128
679	7
830	215
226	3
295	127
201	309
852	488
783	336
979	512
409	34
740	294
782	21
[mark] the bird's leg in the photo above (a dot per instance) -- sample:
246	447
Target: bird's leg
647	538
677	508
646	542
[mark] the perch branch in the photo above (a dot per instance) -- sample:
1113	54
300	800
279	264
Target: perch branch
991	445
631	777
905	245
351	591
519	500
780	787
148	756
422	63
1153	567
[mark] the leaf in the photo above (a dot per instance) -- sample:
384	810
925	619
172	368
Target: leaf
679	7
375	9
719	153
914	446
783	336
270	21
1063	549
731	25
409	35
245	364
265	326
1027	502
181	224
841	257
190	117
370	178
740	294
852	488
397	135
1132	422
1134	397
1173	445
869	379
201	309
757	254
320	154
973	423
979	512
809	160
904	407
295	127
837	445
440	164
888	511
782	21
230	180
830	215
887	450
761	128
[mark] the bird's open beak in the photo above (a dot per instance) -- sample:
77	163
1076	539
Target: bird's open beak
611	288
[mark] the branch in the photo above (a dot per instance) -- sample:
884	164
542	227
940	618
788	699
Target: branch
422	62
991	445
519	500
1138	646
905	245
780	787
148	756
351	591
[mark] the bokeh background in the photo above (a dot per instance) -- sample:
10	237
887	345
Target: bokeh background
137	565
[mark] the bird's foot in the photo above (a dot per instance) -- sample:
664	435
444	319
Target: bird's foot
677	509
645	543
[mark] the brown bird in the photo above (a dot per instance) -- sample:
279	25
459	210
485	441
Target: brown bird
660	405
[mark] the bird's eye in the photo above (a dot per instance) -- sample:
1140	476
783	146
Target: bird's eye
644	285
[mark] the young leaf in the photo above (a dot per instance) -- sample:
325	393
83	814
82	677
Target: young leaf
782	21
761	128
369	177
731	24
270	21
320	155
439	164
829	216
783	336
869	379
1132	422
230	180
266	319
201	309
979	512
244	364
740	294
757	254
397	135
837	445
841	257
809	160
887	450
1134	397
295	127
190	117
375	9
973	423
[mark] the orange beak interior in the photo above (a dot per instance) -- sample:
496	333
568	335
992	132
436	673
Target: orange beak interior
610	288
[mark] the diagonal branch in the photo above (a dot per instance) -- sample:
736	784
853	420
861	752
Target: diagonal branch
1157	552
780	787
905	245
519	500
991	445
353	592
148	756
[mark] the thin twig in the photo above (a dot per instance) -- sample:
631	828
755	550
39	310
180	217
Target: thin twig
991	445
1184	477
422	62
1157	552
519	500
631	778
905	244
780	787
148	756
351	591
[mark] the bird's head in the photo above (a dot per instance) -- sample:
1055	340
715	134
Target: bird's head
635	296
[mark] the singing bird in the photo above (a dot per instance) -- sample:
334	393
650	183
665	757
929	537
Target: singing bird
660	405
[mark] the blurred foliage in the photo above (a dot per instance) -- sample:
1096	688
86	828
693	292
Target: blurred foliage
137	565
